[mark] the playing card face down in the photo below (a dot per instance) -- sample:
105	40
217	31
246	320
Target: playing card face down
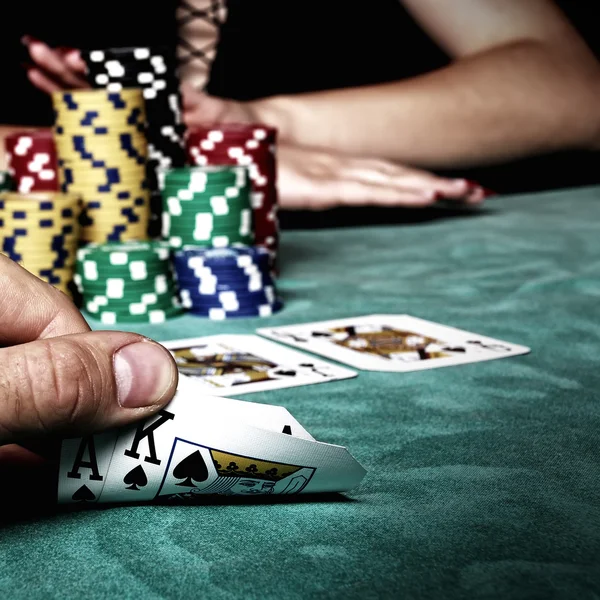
241	364
199	445
396	343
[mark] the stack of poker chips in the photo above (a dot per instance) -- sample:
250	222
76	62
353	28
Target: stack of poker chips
206	207
251	146
226	283
131	282
32	162
40	232
102	151
154	70
5	181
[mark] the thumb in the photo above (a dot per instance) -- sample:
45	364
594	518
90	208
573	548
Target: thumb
201	109
75	384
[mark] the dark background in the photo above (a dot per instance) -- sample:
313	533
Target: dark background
275	46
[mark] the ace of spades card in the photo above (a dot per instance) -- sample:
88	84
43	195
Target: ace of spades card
240	364
202	445
84	465
394	343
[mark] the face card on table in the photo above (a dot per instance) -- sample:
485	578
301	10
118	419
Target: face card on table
241	364
393	343
196	448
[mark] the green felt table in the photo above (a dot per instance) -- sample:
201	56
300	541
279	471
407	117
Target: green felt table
483	480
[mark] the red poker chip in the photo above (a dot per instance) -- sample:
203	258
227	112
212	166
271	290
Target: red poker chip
32	161
233	131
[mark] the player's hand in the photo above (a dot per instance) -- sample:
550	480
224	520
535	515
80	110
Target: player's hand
54	69
57	378
201	109
314	180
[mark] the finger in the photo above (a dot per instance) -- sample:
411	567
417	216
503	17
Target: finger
52	62
332	193
407	178
190	96
73	385
31	309
475	195
355	193
200	109
74	61
42	81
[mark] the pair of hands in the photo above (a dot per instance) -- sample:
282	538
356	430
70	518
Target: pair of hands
307	179
59	379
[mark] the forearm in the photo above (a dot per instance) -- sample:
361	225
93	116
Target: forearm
504	103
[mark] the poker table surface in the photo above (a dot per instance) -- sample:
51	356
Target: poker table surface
483	480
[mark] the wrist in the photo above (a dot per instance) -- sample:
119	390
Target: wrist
277	112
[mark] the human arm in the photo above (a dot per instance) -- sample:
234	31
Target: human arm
522	82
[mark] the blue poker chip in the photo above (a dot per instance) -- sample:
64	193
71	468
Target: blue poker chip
225	283
240	287
221	256
220	313
227	298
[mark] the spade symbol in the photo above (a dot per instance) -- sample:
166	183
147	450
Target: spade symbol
287	429
84	494
192	468
286	373
313	369
322	334
136	477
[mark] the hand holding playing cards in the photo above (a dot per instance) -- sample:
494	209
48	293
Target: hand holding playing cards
58	378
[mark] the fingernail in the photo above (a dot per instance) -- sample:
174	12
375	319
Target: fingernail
144	373
26	40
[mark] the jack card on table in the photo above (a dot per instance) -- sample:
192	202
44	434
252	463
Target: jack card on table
394	343
240	364
200	445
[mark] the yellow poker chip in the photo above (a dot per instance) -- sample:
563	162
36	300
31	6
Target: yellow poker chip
29	200
103	192
109	171
131	121
109	223
106	225
41	231
98	96
112	140
93	113
111	154
103	153
104	176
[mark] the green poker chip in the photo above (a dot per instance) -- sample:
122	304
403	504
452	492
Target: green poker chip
196	176
6	182
129	282
156	316
211	213
121	253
